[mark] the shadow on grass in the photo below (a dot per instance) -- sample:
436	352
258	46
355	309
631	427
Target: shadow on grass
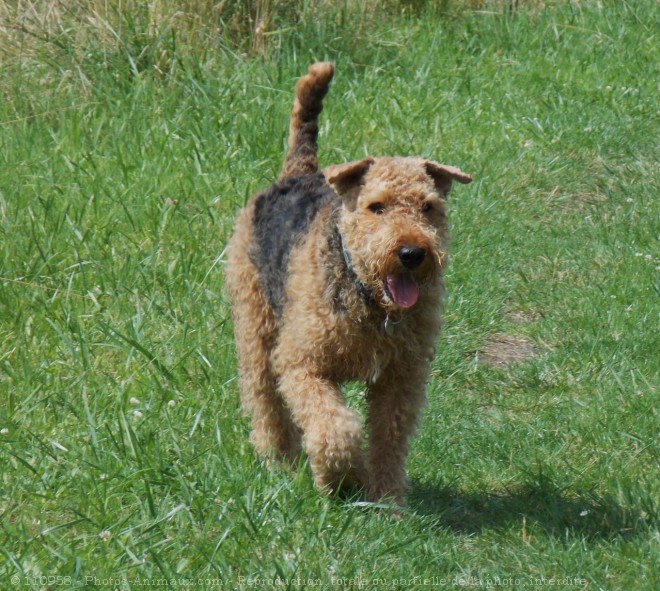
531	507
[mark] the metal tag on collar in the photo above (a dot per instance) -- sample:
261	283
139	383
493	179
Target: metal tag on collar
389	325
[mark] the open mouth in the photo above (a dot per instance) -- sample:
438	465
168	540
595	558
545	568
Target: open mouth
402	289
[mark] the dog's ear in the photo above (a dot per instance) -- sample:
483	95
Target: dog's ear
443	175
347	179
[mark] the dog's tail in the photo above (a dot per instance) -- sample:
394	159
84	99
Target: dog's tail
303	131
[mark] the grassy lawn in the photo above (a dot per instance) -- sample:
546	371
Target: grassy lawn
125	154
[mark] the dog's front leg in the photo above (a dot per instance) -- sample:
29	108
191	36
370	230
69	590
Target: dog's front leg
332	433
395	403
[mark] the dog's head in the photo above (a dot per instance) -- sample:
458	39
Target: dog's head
393	223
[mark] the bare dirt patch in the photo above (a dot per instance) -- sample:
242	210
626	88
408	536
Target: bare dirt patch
522	316
502	350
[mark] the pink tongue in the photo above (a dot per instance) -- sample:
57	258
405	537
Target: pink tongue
404	290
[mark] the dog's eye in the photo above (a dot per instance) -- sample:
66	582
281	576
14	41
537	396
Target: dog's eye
376	208
427	207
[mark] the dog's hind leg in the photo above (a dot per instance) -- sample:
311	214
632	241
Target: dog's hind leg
273	432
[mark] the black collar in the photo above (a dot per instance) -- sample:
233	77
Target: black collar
362	289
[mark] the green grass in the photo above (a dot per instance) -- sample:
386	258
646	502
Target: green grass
123	452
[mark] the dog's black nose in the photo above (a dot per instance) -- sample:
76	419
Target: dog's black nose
411	257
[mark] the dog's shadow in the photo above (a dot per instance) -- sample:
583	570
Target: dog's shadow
529	507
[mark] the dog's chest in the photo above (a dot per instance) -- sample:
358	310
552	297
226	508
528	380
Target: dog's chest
361	353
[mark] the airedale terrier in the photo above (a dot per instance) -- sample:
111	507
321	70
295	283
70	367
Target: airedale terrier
337	276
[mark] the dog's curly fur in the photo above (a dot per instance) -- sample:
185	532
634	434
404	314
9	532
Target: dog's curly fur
337	276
